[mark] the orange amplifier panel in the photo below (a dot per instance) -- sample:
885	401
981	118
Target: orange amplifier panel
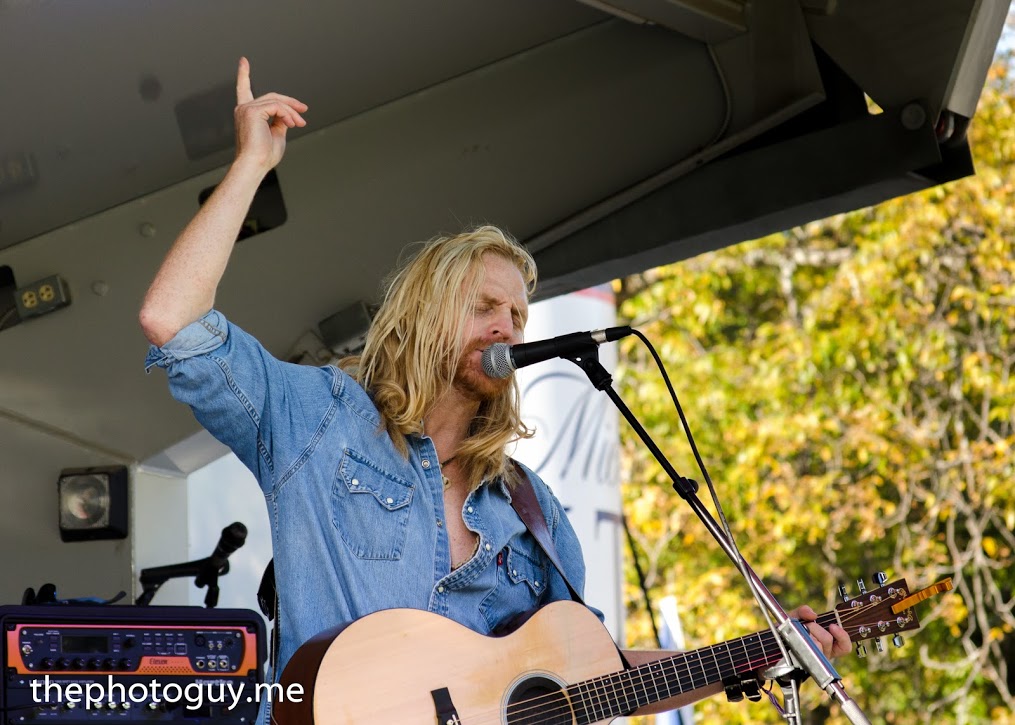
71	648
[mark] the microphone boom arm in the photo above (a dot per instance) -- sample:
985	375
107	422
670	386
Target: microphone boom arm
206	572
201	569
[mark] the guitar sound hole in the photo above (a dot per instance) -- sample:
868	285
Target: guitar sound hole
538	701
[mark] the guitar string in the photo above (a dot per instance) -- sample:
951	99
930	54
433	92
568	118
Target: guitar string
534	704
597	697
525	708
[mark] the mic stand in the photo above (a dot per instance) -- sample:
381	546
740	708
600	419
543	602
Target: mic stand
788	677
809	657
204	571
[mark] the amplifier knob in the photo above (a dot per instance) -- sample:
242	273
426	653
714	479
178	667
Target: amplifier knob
77	664
126	663
26	649
47	663
128	642
108	664
94	663
61	663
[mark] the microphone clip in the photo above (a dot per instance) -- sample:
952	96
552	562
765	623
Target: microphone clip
588	361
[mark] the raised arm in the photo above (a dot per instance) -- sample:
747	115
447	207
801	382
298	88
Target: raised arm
184	287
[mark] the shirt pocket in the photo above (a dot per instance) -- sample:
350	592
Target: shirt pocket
521	581
370	508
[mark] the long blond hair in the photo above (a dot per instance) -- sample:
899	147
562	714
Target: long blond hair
415	341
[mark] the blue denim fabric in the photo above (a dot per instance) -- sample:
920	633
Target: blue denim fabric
356	527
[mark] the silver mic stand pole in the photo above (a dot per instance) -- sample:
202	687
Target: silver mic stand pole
809	658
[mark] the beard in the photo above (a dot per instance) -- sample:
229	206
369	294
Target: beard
472	381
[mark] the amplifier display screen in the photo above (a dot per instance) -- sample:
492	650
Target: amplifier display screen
84	644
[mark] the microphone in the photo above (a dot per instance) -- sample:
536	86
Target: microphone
501	359
233	537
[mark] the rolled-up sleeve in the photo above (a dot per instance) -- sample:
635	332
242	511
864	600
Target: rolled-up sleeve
242	395
197	338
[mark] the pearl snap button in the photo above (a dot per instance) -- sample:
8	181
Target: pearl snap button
355	482
390	500
426	463
440	589
469	509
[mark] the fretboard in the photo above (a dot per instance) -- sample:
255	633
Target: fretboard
623	692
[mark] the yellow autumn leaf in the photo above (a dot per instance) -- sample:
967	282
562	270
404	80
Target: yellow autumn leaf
990	546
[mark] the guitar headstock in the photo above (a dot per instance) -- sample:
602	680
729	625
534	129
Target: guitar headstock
887	610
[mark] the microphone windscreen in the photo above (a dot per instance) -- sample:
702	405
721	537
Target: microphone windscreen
497	361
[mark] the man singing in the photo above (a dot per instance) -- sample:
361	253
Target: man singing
386	479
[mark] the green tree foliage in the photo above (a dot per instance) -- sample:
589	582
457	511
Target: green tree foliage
851	386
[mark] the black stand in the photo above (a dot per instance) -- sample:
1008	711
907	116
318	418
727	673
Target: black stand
204	571
808	657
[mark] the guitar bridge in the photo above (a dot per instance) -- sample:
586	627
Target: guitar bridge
446	712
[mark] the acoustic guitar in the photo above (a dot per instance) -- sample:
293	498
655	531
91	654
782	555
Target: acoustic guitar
404	666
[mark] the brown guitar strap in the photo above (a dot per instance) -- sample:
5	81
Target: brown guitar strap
523	500
525	504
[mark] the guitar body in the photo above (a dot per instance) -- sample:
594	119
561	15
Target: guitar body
384	668
404	666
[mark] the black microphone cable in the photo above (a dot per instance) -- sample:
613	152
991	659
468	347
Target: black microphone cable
740	563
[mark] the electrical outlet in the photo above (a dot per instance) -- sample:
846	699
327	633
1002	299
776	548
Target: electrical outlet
41	297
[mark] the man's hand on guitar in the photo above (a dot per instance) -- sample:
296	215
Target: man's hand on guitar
833	641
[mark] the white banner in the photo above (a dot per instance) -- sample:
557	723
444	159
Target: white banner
576	448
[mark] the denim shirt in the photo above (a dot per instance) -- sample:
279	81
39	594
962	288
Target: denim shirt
356	527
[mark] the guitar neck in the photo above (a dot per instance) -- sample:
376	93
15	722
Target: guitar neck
623	692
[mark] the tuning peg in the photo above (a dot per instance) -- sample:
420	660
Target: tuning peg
897	640
861	586
879	644
842	592
881	578
861	650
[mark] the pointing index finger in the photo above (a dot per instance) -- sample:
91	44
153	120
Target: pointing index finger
243	92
